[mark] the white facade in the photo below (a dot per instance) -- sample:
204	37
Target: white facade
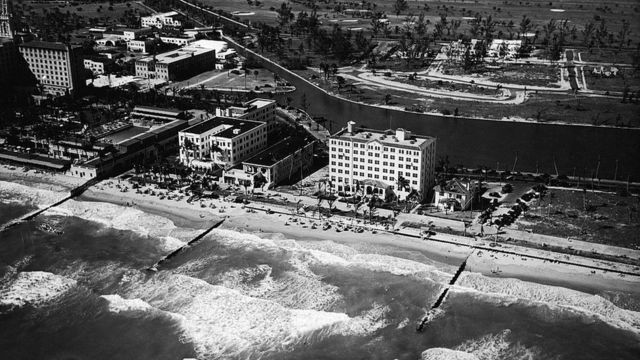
180	41
137	46
375	160
221	141
161	20
263	110
97	67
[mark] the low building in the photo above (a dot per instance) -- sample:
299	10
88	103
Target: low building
178	40
379	162
221	141
141	45
290	158
455	194
504	48
138	149
178	64
99	66
157	113
168	19
57	67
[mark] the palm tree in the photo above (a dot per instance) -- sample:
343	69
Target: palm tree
403	184
372	204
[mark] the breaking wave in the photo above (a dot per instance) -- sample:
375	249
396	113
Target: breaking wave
33	288
223	322
510	291
496	346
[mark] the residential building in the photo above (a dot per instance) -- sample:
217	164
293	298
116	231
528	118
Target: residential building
57	67
177	64
221	141
455	194
263	110
379	162
290	158
168	19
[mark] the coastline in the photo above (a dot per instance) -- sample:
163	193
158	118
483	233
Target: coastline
488	263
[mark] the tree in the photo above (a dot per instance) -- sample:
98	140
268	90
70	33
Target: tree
285	15
525	26
400	6
372	204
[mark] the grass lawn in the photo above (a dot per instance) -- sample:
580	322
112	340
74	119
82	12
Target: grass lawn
93	10
538	107
595	217
624	77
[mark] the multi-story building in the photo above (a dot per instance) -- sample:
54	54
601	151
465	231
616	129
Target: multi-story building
57	67
221	141
177	64
378	162
263	110
169	19
289	158
8	61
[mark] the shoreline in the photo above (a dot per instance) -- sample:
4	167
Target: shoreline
489	263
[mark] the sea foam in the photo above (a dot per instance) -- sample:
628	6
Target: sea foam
509	291
34	288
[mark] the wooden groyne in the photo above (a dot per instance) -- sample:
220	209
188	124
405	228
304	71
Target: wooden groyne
433	311
77	191
155	266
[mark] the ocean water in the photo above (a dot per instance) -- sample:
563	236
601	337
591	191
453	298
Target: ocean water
86	294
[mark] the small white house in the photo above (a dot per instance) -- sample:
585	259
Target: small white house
455	194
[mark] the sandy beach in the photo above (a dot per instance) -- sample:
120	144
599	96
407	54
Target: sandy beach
490	263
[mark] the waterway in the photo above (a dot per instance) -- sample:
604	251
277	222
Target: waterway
573	149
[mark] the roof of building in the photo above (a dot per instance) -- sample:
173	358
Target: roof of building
45	45
157	110
259	102
226	126
385	137
279	151
453	186
193	49
165	14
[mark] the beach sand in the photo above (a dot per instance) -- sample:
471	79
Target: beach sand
237	218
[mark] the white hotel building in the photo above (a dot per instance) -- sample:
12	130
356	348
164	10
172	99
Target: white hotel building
374	160
221	141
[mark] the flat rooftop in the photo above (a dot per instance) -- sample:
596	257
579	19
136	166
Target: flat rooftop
157	110
225	125
259	102
45	45
193	49
124	135
385	137
278	151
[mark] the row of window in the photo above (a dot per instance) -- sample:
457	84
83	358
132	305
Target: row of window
376	148
340	179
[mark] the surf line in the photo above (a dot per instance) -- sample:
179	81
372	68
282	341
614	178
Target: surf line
155	266
435	311
29	216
